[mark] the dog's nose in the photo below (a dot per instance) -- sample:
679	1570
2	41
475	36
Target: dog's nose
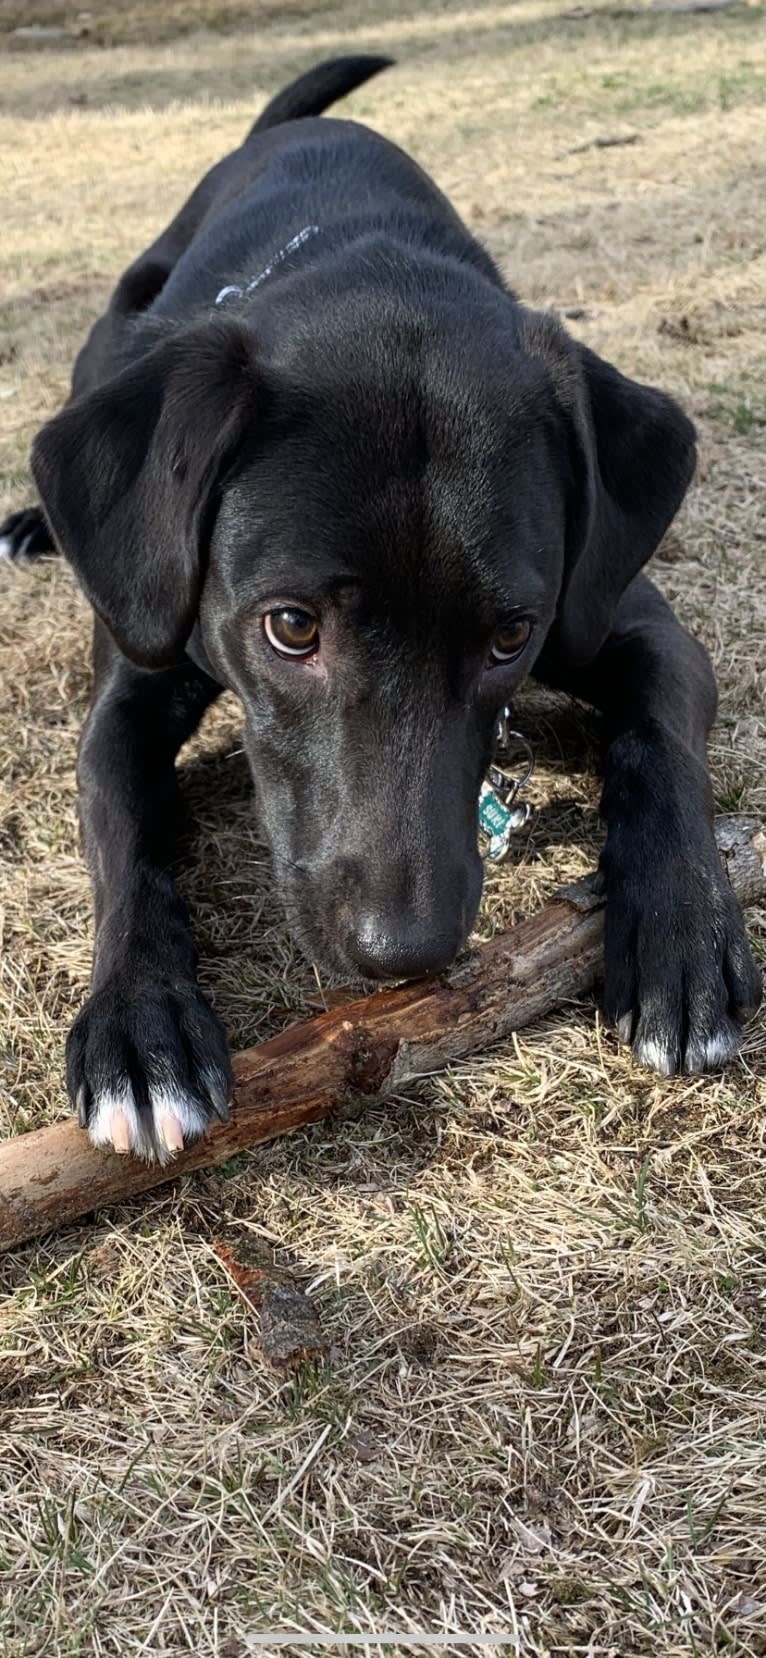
398	946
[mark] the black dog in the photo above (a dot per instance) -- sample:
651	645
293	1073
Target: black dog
316	452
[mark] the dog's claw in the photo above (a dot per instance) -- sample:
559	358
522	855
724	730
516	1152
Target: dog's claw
122	1137
624	1027
172	1134
220	1099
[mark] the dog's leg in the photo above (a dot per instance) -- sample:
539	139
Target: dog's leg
678	974
147	1059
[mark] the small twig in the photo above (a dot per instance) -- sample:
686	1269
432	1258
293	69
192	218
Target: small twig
605	143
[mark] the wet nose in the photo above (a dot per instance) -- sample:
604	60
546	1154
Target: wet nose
397	946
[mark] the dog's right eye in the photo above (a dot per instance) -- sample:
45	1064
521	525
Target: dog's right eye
291	632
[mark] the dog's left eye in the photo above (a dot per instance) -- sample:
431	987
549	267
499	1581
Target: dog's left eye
291	632
510	643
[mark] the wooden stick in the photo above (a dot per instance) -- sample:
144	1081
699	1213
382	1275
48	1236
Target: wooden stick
372	1046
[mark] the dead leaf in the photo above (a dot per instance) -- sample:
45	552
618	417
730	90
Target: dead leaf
745	1605
533	1539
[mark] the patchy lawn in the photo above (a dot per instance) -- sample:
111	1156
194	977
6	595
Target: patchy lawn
543	1275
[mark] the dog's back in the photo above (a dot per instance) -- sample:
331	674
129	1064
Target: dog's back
222	193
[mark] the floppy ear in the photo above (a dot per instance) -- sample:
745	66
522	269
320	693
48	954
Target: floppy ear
127	476
633	457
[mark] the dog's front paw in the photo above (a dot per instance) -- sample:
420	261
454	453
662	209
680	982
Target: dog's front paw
679	978
147	1067
25	534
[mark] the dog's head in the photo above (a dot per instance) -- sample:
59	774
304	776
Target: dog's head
376	540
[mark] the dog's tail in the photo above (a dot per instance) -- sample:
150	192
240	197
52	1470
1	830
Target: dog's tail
314	91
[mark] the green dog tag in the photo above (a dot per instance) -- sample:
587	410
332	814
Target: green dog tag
497	822
499	818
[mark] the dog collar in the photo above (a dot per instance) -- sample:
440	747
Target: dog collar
292	246
499	815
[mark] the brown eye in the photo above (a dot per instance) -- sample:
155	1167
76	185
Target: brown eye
291	632
510	643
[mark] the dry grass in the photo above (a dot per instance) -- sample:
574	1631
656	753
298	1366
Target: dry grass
544	1274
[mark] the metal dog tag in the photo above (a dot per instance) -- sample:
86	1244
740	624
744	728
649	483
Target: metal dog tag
499	816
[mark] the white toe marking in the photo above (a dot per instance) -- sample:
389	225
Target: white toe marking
720	1047
713	1052
115	1103
656	1055
116	1123
6	546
